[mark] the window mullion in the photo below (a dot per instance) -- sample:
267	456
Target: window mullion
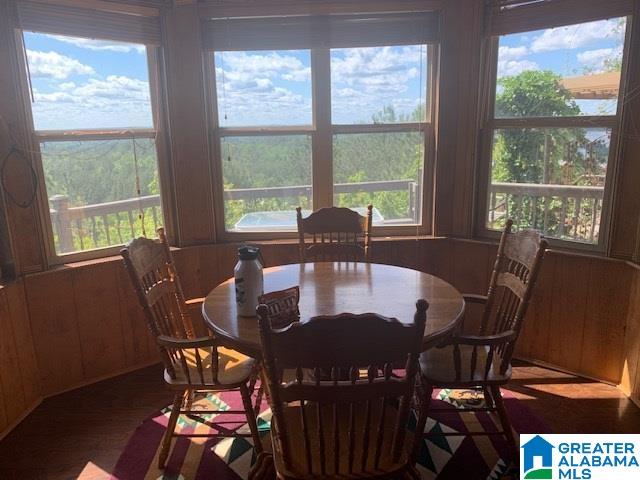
322	149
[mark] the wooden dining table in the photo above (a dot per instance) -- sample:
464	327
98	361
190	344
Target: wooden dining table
329	288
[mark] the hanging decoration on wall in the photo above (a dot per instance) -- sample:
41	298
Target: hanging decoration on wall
18	159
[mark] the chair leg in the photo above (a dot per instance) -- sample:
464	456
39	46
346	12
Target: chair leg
424	393
251	417
171	426
189	398
259	396
263	469
411	473
488	399
504	416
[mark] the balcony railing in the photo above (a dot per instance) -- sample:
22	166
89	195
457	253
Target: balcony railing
113	223
561	211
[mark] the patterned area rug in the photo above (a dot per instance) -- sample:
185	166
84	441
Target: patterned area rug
442	457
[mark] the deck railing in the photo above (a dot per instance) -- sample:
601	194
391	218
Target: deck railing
113	223
560	211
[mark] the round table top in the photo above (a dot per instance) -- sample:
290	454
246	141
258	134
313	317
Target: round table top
330	288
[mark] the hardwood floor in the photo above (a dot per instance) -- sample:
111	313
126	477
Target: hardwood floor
80	434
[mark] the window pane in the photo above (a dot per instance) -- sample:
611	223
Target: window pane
87	84
92	191
384	169
550	179
564	71
378	84
265	179
263	88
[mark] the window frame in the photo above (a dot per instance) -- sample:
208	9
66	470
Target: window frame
489	124
154	61
322	131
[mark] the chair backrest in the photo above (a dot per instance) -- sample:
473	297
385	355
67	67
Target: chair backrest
512	283
352	408
336	234
282	306
157	285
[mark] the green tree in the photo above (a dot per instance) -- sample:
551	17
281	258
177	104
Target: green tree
532	155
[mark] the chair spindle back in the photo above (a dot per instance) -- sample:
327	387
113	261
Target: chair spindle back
512	283
350	421
157	285
336	234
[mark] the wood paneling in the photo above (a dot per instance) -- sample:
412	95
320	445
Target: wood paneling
85	322
187	118
630	382
462	25
19	382
86	325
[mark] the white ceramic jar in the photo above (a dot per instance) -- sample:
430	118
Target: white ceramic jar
249	282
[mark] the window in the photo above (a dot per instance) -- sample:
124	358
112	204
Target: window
551	138
321	115
264	111
94	124
378	100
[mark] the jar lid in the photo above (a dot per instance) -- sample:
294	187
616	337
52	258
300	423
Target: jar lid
248	253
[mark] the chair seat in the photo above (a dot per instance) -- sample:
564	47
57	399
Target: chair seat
234	368
299	469
437	367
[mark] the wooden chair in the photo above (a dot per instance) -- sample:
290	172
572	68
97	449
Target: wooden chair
336	234
354	428
483	359
191	364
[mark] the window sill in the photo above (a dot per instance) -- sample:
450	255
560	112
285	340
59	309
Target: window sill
293	242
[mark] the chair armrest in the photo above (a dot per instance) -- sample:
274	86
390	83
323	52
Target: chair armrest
180	343
473	298
488	340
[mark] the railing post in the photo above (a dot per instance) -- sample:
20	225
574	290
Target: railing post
60	204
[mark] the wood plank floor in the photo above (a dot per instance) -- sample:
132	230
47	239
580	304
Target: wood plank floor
81	433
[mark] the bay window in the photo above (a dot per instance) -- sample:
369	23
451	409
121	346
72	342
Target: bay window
321	111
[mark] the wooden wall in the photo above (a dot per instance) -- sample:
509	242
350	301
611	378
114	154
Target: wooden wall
19	381
630	381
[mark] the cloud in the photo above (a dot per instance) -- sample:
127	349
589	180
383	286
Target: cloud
272	65
577	36
508	68
596	60
66	86
55	65
114	102
115	87
251	89
375	66
365	80
507	53
99	45
257	89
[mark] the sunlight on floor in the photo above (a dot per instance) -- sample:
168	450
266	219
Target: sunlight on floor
93	472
